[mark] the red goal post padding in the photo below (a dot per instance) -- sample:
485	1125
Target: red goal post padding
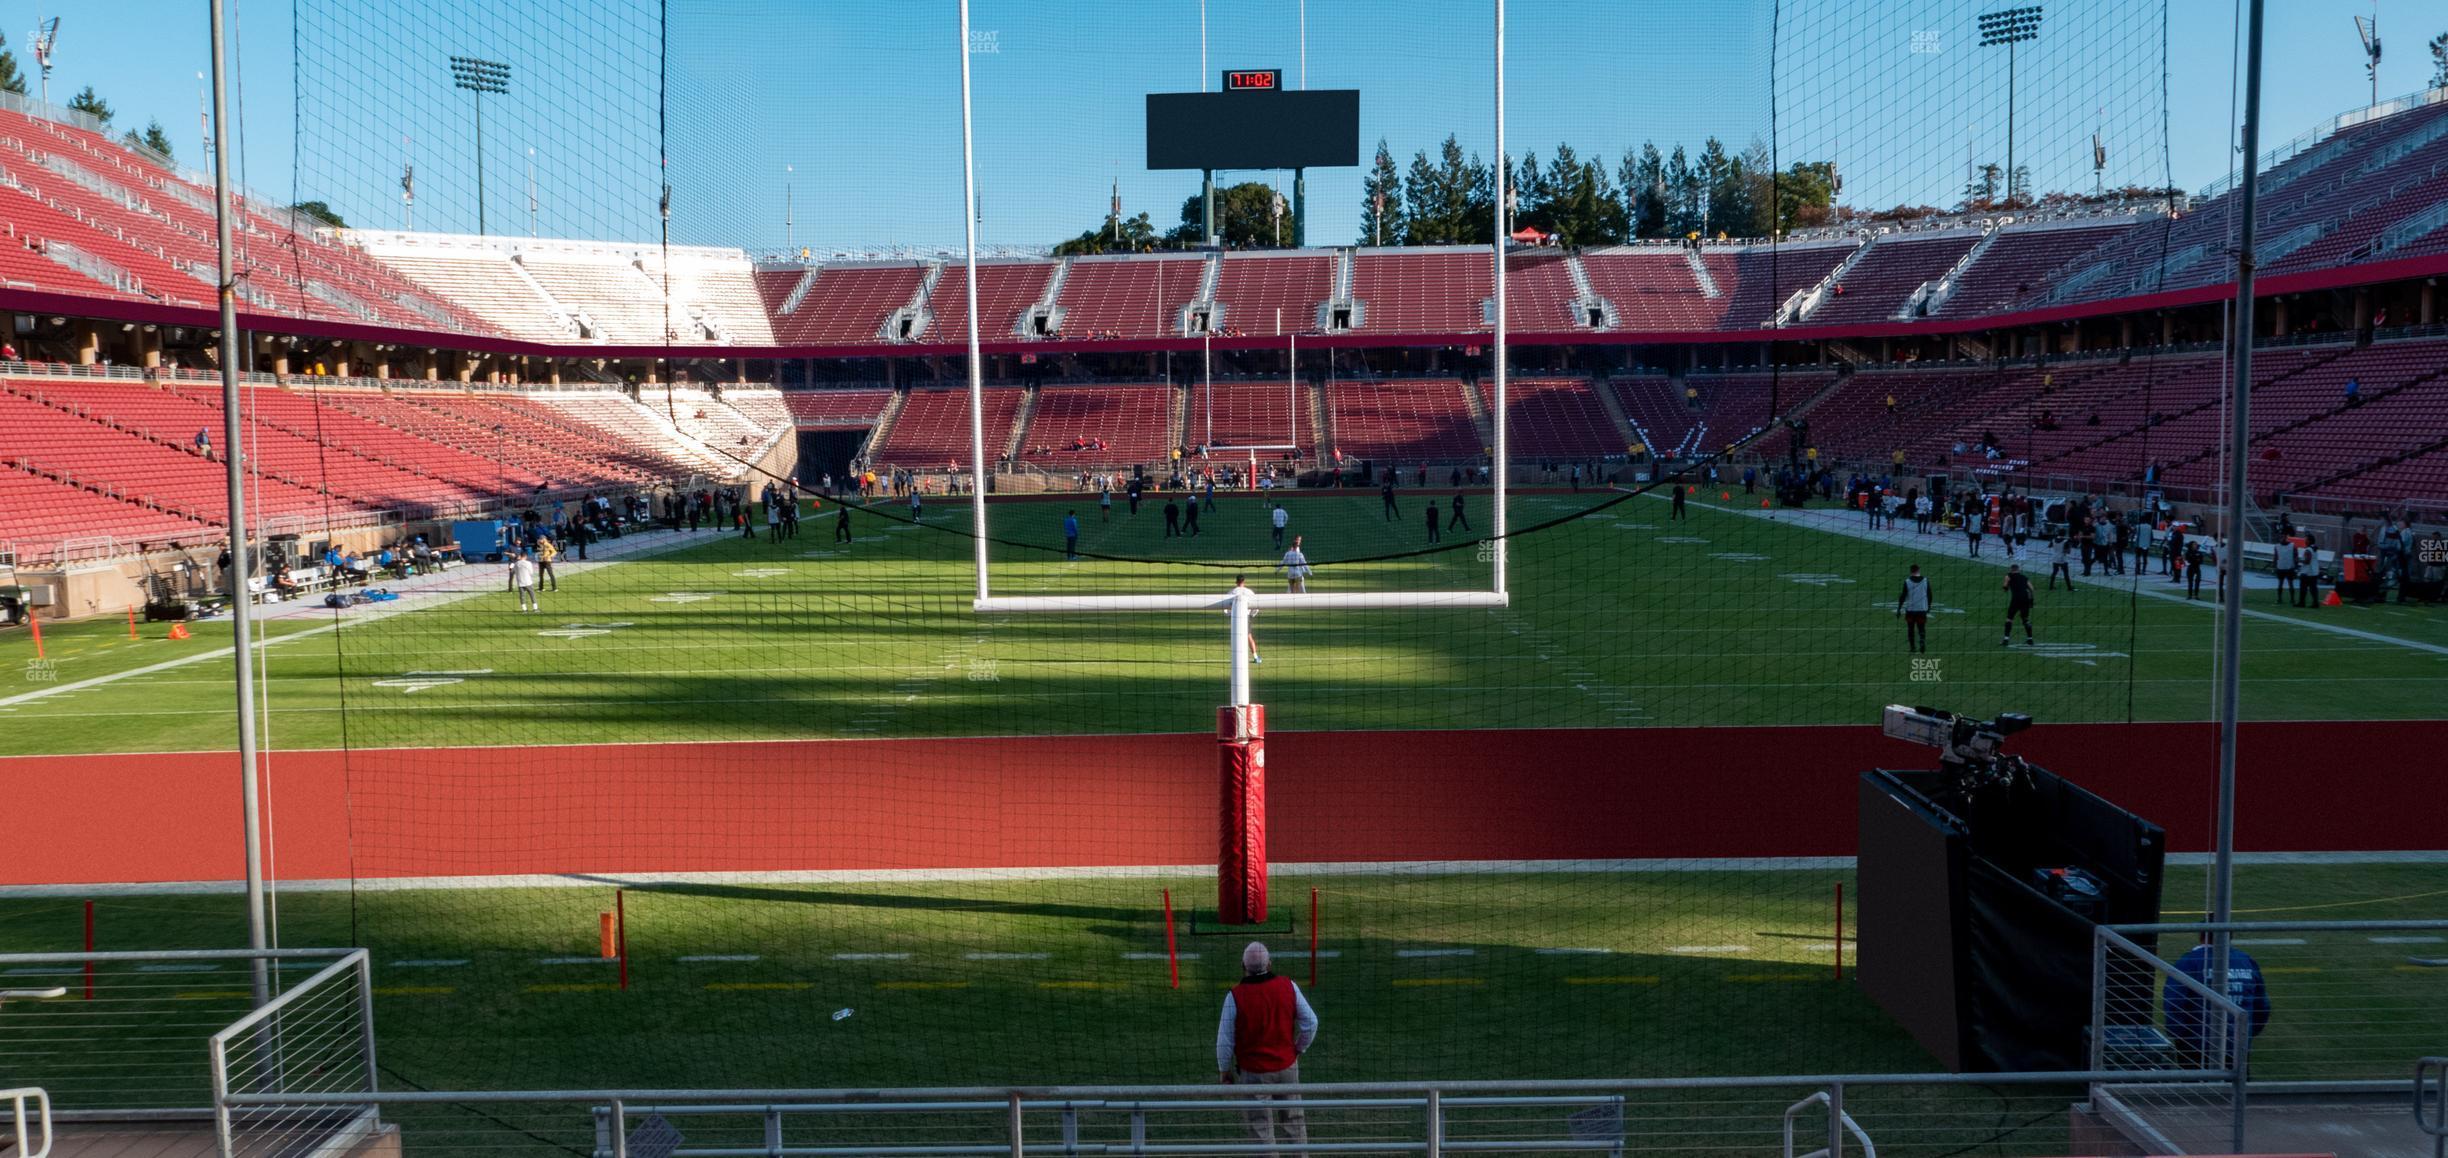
1241	861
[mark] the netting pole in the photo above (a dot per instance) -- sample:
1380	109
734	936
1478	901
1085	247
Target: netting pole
1172	945
242	605
1313	937
620	933
977	371
2239	451
89	949
1504	192
1840	930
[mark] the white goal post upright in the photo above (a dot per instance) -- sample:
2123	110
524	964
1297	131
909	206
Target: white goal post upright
1241	726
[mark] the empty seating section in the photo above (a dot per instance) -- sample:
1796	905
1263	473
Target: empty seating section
561	459
489	286
86	449
38	510
932	430
544	424
1405	421
1555	418
1252	290
1005	291
23	265
1878	284
762	408
2011	273
1540	294
1765	276
707	419
837	409
1672	423
846	304
2303	429
1651	288
1436	291
1258	413
1127	297
621	418
1134	422
624	305
720	286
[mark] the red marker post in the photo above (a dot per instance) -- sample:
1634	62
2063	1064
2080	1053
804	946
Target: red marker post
1172	949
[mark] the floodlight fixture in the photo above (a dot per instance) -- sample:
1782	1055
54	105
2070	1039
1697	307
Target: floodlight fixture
480	77
2010	27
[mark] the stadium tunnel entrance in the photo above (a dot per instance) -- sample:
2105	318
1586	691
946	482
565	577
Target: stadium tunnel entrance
823	452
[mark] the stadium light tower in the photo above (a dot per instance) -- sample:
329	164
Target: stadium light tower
480	77
2368	30
2010	27
46	43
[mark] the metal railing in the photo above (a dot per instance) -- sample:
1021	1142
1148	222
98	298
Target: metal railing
129	1038
1912	1114
2150	1016
2430	1089
317	1037
42	1115
2350	1001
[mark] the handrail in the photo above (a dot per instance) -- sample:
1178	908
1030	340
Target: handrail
42	1109
1837	1118
2431	1071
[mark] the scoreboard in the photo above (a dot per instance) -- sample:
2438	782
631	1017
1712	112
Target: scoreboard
1254	122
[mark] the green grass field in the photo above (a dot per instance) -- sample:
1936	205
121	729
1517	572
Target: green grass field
1668	973
1621	618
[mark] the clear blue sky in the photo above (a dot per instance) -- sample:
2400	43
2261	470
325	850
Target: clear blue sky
860	101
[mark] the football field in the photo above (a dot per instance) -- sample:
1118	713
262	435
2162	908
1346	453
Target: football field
1621	617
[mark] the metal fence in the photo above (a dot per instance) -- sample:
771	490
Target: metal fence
2150	1016
129	1036
1913	1116
316	1038
2350	1002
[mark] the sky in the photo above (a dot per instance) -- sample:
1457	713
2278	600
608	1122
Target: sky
835	125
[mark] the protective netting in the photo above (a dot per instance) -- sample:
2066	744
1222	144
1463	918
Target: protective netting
756	800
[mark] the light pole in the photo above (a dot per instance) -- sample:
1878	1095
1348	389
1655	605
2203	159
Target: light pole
46	42
531	192
790	242
480	77
2010	27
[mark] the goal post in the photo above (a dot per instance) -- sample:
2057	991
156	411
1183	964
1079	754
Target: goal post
1241	727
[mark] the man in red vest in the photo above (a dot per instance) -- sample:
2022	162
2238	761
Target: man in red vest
1266	1026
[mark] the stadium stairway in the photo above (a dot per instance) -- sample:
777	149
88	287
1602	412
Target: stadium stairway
1020	424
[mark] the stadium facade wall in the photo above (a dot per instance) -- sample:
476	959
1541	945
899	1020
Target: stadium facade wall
1073	802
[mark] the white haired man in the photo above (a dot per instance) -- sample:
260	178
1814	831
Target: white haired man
1266	1027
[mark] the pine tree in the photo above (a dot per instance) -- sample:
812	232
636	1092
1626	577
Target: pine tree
1643	177
157	140
10	79
91	105
1382	220
1683	195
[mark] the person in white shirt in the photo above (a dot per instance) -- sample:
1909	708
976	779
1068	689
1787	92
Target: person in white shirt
523	579
1295	566
1281	518
1913	607
2059	555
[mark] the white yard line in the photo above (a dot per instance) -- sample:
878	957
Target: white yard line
357	616
1835	523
